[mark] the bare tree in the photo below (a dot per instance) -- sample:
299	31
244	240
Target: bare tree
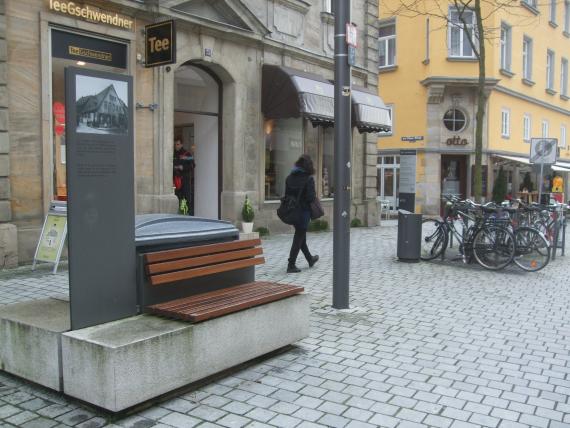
484	12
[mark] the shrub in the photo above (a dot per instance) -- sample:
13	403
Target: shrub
318	225
263	231
355	222
500	187
247	213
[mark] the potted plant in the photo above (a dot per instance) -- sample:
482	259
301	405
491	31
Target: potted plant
247	216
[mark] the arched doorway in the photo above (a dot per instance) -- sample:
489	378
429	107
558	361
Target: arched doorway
197	120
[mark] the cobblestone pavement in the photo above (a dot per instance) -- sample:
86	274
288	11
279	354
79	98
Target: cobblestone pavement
430	344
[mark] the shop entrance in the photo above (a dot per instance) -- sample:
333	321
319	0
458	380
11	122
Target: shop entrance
453	176
197	105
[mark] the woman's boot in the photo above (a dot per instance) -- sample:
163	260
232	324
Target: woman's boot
292	268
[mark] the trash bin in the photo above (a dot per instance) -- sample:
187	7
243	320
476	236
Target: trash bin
409	236
159	232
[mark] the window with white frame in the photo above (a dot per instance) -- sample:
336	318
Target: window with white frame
564	77
553	11
567	16
527	58
527	124
506	47
545	129
391	114
461	33
531	3
549	69
327	6
505	123
562	141
387	44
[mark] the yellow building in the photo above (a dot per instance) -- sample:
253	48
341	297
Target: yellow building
428	77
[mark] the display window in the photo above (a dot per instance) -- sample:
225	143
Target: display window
69	49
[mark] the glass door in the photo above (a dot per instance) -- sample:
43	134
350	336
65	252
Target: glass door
388	180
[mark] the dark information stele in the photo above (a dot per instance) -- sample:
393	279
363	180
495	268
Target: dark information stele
100	183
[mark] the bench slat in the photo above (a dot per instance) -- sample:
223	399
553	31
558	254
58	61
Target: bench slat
200	250
153	269
200	307
227	295
203	271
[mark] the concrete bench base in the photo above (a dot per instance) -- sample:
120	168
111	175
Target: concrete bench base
123	363
30	340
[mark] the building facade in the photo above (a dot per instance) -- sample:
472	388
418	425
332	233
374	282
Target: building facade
428	74
214	97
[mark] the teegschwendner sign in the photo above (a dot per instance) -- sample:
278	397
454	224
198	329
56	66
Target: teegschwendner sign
91	14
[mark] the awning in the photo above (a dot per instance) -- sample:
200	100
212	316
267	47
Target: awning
287	93
369	114
558	166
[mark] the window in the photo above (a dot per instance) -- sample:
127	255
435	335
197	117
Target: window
391	131
553	11
387	45
545	129
388	179
562	142
505	47
527	58
327	172
527	124
549	69
531	3
505	123
461	31
454	120
328	6
564	77
567	16
283	146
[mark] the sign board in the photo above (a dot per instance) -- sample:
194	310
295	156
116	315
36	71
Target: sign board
351	35
407	185
160	44
543	150
100	200
91	14
351	55
413	138
52	238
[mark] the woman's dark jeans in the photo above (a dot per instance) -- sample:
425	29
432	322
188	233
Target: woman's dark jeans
299	243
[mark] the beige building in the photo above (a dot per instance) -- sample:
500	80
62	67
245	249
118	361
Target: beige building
228	51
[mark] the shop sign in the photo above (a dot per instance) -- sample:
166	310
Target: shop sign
456	141
78	47
91	14
413	138
160	41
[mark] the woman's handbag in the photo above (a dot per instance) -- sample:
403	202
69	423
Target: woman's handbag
290	209
316	209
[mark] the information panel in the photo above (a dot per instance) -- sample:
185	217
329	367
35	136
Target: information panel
100	182
407	196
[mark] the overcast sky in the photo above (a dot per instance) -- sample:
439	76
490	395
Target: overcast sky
93	85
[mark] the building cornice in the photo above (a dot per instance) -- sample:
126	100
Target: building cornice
532	100
436	85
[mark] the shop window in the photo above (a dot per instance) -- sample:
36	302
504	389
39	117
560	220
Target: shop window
388	180
387	45
454	120
77	50
327	170
283	146
462	33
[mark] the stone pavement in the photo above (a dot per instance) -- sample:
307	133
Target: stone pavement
429	344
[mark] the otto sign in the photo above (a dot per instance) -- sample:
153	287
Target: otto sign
456	141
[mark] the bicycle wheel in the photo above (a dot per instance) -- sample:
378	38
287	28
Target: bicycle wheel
493	247
532	249
434	239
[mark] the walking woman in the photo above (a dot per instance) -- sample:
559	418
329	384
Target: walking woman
300	180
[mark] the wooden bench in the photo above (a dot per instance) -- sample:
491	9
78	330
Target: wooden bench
170	266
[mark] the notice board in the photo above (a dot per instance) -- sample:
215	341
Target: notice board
407	185
100	201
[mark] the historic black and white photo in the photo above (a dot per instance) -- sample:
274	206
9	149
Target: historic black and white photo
102	106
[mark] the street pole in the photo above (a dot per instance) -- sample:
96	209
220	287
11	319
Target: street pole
342	156
541	180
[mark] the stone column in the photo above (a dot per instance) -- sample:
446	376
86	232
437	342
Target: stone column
8	233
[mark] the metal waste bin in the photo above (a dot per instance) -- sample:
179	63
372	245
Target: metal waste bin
158	232
409	236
